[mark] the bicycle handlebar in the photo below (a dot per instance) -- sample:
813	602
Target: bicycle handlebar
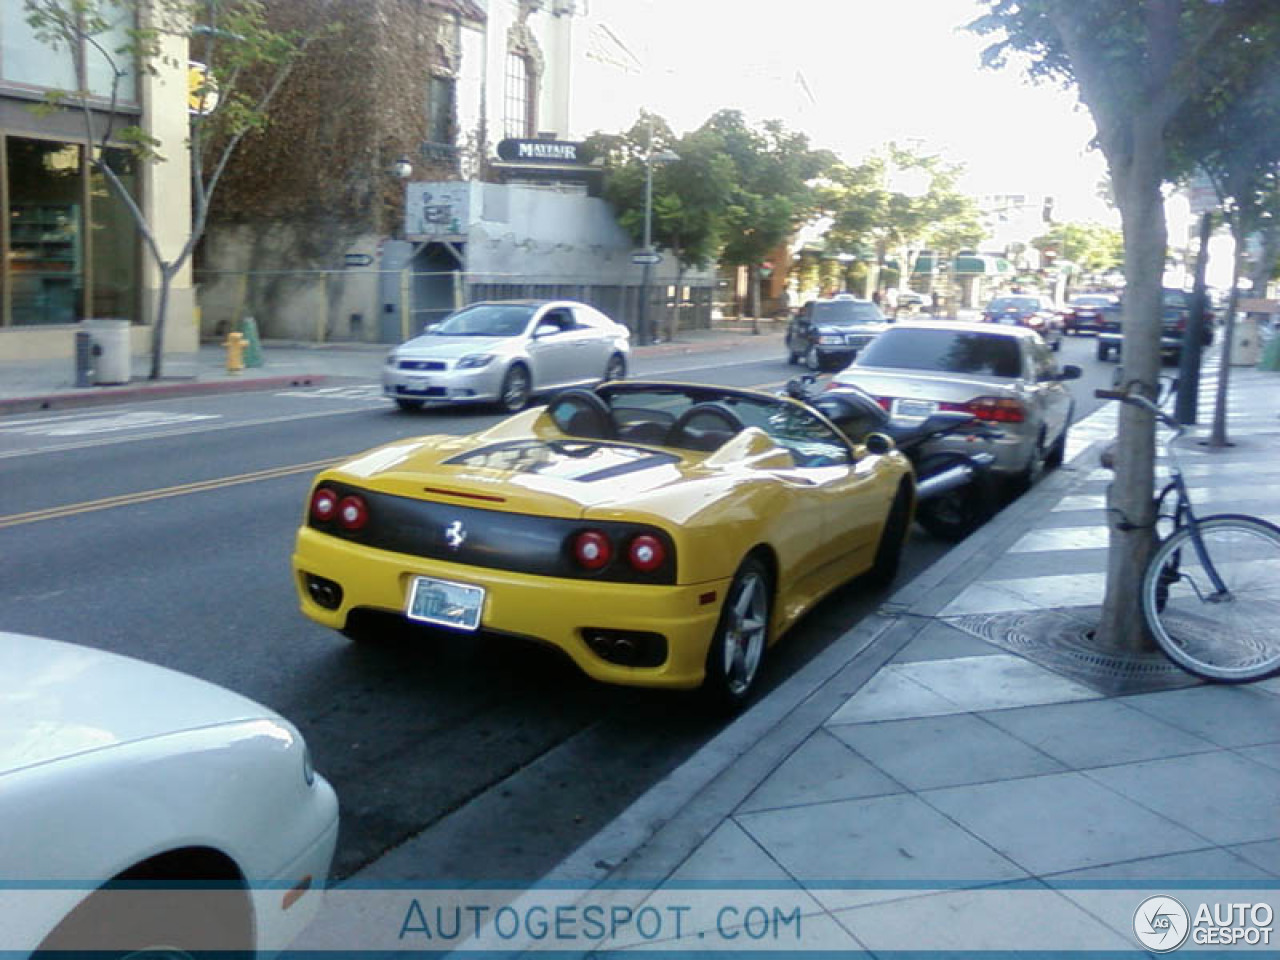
1139	400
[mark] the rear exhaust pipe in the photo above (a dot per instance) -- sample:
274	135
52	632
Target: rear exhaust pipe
948	479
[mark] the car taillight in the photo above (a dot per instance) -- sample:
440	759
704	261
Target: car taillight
353	512
992	409
646	553
324	505
886	403
592	549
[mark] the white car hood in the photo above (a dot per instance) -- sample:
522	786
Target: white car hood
448	348
58	700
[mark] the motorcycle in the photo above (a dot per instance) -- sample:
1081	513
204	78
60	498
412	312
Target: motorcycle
955	491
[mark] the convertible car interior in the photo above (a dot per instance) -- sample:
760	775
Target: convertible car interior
687	417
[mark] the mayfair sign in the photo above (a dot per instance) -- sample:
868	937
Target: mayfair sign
541	151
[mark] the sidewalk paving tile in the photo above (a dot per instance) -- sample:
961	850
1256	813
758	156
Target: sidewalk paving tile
822	769
1060	822
986	598
988	920
854	851
1228	716
1234	800
1264	855
1206	865
1095	733
940	640
945	751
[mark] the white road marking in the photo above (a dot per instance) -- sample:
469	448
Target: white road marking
103	423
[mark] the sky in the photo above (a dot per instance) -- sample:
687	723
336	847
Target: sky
852	75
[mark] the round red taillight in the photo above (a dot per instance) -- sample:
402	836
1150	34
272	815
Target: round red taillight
646	553
324	505
353	513
592	549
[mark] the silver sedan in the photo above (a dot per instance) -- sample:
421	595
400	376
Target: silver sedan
506	351
1007	377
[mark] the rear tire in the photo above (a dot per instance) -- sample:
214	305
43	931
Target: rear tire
615	369
957	513
738	646
1057	453
1103	351
1231	640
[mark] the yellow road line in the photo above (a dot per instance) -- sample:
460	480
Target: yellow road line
146	496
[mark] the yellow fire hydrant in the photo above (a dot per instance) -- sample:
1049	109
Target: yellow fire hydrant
235	344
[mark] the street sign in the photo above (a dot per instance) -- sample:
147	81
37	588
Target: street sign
646	256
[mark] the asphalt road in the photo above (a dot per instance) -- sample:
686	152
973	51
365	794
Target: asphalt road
163	531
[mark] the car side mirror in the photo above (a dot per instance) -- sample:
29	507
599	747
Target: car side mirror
545	330
1070	372
878	444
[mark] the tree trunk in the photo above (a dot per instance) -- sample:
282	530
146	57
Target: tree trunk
1266	265
1218	435
753	296
675	313
167	273
1130	509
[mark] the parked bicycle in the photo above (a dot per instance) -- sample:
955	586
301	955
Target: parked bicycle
1211	590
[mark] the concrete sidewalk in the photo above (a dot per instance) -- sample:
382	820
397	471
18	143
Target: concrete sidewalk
972	740
50	384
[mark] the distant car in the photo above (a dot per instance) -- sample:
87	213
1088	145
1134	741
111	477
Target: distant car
505	352
1033	311
658	534
1084	313
117	775
1174	319
909	299
830	332
1004	375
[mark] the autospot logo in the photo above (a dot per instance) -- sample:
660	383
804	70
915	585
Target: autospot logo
1161	924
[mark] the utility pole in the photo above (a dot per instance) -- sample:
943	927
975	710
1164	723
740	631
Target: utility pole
1193	336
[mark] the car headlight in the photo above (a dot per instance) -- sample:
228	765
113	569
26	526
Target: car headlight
475	360
392	357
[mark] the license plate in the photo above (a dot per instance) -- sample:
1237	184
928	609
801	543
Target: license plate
914	408
445	603
419	383
1010	319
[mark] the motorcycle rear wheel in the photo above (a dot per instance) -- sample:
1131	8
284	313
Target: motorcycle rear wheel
957	513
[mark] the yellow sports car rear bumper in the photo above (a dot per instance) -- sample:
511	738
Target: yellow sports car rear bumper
551	609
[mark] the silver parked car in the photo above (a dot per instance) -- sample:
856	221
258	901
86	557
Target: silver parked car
1005	376
505	351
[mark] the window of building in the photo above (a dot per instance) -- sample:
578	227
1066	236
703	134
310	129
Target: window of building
69	245
29	61
521	97
440	109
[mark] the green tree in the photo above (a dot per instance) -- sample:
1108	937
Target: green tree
772	193
1137	65
690	194
1096	248
245	63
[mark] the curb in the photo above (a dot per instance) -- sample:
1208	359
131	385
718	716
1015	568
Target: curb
648	841
154	391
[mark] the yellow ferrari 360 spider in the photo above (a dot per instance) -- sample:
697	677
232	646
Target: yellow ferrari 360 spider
660	534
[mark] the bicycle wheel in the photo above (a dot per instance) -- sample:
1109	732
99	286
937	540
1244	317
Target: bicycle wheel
1233	637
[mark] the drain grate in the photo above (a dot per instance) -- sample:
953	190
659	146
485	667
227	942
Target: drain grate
1062	640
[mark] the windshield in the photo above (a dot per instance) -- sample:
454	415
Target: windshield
944	351
846	311
1014	303
1099	301
486	320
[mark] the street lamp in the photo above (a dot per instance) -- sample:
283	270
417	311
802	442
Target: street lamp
646	269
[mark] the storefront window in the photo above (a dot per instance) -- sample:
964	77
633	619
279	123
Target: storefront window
46	231
113	242
29	61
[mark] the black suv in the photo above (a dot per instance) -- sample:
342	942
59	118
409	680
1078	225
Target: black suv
1173	324
828	331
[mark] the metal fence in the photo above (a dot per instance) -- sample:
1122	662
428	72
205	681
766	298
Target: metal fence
390	306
